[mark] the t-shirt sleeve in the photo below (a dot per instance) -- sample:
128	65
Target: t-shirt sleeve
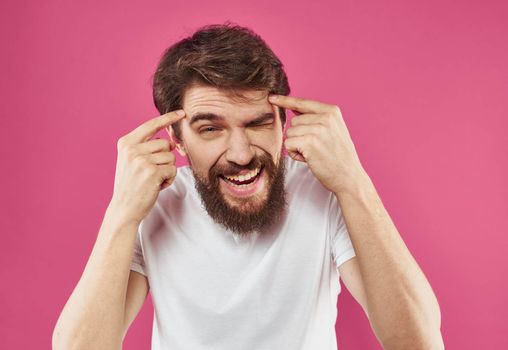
342	248
138	261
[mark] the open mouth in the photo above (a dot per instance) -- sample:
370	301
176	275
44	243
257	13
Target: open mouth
244	180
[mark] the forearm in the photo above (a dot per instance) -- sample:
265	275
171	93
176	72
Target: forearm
403	309
94	313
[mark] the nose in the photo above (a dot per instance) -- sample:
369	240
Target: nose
239	150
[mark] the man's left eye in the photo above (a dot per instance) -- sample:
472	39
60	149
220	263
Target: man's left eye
208	130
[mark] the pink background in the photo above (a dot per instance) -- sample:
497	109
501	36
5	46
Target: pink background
422	85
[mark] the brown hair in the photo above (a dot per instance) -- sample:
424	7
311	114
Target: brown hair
226	56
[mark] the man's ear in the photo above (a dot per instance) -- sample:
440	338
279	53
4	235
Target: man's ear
179	146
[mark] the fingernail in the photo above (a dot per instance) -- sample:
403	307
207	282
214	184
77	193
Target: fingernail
180	112
272	97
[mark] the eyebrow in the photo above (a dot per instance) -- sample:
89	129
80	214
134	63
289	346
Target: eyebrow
214	117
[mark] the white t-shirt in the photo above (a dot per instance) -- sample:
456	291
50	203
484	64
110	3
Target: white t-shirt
212	289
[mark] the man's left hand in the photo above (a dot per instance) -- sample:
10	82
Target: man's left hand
318	136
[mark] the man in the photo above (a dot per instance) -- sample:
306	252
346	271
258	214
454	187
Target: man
244	247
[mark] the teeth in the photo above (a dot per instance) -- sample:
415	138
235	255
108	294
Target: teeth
245	177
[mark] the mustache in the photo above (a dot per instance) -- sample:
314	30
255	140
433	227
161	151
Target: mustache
232	169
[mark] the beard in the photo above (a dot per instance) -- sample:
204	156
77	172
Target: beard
251	214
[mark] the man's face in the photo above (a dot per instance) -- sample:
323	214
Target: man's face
234	149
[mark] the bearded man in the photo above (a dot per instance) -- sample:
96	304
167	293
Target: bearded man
243	248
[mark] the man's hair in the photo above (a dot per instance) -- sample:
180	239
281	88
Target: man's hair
226	56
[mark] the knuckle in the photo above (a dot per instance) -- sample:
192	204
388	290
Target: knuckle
150	170
320	129
164	144
327	119
139	162
334	109
121	142
129	151
168	172
309	140
314	142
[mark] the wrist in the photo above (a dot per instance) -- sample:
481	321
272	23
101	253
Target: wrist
116	216
355	183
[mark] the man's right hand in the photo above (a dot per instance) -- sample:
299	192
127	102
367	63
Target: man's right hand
144	167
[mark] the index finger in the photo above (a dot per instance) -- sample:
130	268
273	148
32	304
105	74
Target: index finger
298	104
146	130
